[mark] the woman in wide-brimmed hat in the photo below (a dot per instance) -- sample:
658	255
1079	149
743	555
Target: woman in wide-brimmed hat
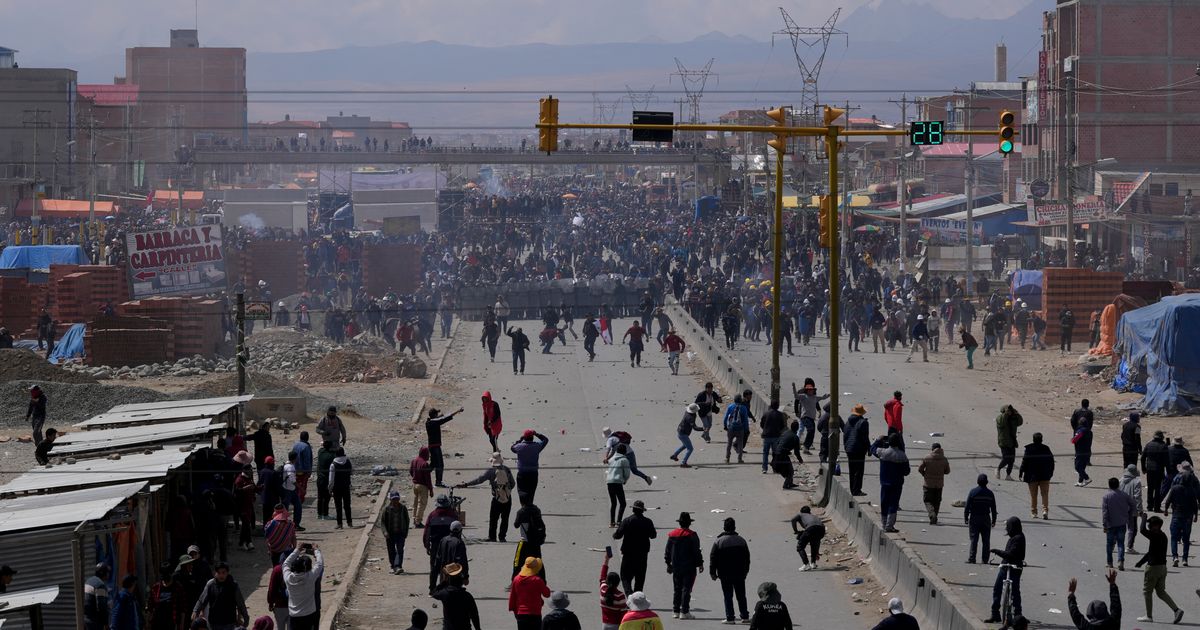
640	616
525	597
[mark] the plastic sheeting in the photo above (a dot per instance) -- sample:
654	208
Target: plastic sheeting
1159	343
70	346
1109	320
41	256
1027	287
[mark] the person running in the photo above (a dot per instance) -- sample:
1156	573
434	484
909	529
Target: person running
979	514
492	422
1081	430
640	617
635	533
528	451
617	476
729	562
684	560
612	599
933	469
501	480
684	433
1012	555
520	343
1154	581
770	613
1006	438
673	345
637	337
736	424
806	408
809	531
611	440
781	455
773	424
526	595
969	344
591	331
709	401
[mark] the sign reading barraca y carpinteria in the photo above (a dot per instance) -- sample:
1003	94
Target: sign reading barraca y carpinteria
176	261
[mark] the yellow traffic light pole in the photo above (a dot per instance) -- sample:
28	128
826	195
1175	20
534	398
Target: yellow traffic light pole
548	127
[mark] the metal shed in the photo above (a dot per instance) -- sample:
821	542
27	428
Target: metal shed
132	438
102	471
27	603
225	409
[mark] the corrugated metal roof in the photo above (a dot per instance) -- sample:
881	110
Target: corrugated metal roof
48	510
985	211
104	439
172	404
11	602
101	471
155	416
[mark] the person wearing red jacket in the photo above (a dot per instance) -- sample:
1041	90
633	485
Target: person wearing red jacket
893	414
166	606
422	483
277	597
525	597
673	345
491	419
245	493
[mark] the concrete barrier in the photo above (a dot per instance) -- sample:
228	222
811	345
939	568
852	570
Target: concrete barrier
893	562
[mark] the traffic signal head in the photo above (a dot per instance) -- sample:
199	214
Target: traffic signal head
824	220
779	117
832	114
1007	132
548	115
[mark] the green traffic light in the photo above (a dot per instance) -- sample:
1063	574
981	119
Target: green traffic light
1006	146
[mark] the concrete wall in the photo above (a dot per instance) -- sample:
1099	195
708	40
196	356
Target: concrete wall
287	215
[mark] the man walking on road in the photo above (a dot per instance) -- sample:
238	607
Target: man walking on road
684	560
1155	578
736	424
1131	485
809	531
858	439
979	513
635	533
893	468
1155	462
520	343
437	527
729	562
1081	437
1037	469
1117	514
422	484
893	414
500	478
394	522
773	423
934	469
528	451
1131	440
1006	438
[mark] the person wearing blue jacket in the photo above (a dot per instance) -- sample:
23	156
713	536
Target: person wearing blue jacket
124	614
980	516
893	468
857	435
736	425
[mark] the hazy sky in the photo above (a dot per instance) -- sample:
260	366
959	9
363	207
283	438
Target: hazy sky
48	32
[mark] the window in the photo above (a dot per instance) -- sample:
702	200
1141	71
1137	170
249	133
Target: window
1155	190
1172	189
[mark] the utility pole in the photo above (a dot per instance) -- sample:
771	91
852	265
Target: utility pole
1068	186
242	358
92	172
844	213
969	184
901	193
34	118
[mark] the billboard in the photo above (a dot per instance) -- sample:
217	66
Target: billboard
951	228
1056	213
176	261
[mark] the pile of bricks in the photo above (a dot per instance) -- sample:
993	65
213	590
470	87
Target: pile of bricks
394	266
1083	290
20	304
77	292
279	263
195	322
119	341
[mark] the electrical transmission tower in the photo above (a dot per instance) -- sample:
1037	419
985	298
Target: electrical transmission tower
693	82
603	112
640	100
809	43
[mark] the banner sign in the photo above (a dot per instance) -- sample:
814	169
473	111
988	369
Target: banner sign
951	228
401	226
258	311
176	261
1056	213
1042	84
418	178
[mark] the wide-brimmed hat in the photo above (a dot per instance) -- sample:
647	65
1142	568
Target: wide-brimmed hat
453	569
532	567
693	408
639	506
192	548
559	599
859	409
637	601
685	519
243	458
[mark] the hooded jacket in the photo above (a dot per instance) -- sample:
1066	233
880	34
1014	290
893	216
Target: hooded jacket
980	509
1006	427
893	467
339	475
491	416
858	435
934	469
1014	551
618	469
1099	616
419	469
1131	484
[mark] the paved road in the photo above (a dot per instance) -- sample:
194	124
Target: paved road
571	400
942	396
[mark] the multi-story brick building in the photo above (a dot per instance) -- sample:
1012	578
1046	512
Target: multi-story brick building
38	131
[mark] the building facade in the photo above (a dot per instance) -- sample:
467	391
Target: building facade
38	132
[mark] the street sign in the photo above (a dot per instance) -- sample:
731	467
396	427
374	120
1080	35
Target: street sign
926	132
260	311
1039	188
653	118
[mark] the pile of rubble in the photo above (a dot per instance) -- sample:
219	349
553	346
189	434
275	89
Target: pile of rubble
288	356
188	366
341	366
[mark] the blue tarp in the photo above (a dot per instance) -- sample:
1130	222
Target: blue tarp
70	346
1027	287
1160	345
41	256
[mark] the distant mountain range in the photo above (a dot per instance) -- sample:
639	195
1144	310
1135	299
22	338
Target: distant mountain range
894	46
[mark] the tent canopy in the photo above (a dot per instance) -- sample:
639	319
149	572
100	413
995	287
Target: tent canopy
1159	341
41	256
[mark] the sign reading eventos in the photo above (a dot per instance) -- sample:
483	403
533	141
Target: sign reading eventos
951	228
176	261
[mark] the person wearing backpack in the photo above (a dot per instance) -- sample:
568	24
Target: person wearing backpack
502	482
736	424
532	526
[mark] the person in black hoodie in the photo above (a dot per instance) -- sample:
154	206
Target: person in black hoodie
709	401
1012	555
858	441
770	613
1155	461
781	456
729	561
1099	615
1081	429
1037	469
520	343
1131	440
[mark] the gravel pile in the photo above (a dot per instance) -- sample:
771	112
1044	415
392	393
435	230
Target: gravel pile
286	351
69	402
19	364
191	366
338	366
260	384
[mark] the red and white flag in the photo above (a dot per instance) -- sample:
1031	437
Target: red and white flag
605	331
